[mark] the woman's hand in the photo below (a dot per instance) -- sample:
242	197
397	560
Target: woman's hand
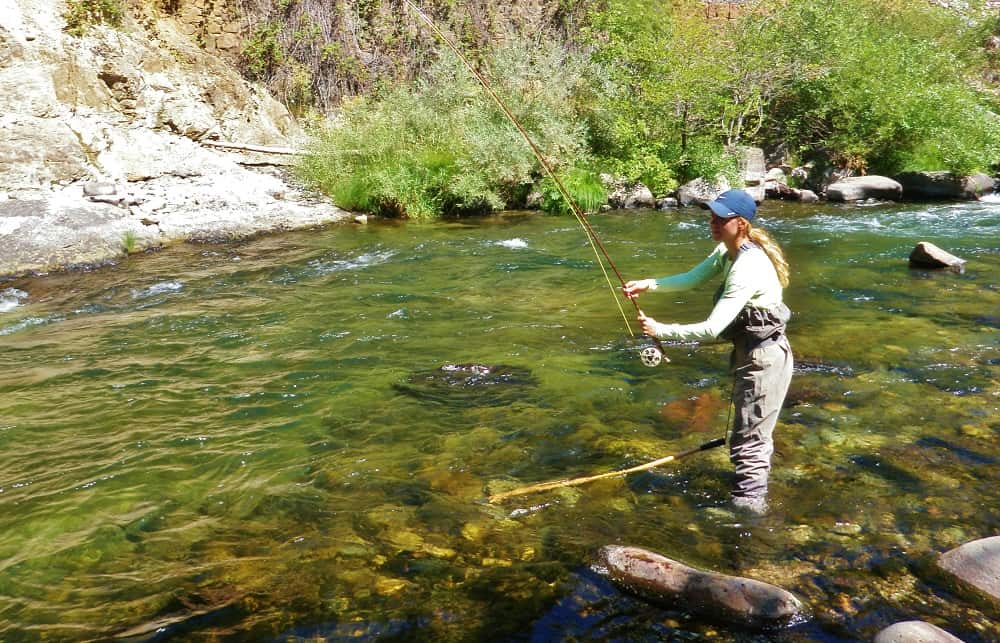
633	288
648	324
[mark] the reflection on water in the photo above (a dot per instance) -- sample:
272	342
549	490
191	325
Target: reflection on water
293	438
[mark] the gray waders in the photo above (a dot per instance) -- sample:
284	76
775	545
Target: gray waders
761	363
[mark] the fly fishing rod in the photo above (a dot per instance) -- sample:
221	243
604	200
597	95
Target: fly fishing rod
651	355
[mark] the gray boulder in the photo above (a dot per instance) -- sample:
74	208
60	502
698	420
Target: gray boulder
701	190
859	188
928	255
975	566
944	185
914	632
631	196
743	601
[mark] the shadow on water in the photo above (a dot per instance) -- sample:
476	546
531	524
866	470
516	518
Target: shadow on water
469	384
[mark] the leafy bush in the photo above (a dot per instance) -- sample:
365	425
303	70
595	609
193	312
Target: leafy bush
439	146
82	14
880	85
262	51
584	188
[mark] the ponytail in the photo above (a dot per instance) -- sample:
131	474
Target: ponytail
772	250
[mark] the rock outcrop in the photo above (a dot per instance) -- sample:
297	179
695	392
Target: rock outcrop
129	107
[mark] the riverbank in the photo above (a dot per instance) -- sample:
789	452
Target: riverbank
89	223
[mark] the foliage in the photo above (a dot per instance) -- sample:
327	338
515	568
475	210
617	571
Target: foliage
129	241
869	85
261	51
440	146
352	47
879	85
670	70
584	188
82	14
872	85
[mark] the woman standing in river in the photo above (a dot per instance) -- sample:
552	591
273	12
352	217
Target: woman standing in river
750	312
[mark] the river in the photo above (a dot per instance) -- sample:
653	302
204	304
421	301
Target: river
282	439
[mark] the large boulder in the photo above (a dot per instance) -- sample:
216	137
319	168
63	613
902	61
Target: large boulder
860	188
944	185
975	567
914	632
743	601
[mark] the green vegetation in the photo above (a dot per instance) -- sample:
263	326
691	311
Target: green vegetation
440	146
881	86
80	15
652	92
129	241
262	51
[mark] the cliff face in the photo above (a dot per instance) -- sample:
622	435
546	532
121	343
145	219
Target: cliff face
127	107
74	107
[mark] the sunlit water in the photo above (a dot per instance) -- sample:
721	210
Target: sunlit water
258	442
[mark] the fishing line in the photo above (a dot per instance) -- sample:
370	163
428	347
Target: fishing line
651	356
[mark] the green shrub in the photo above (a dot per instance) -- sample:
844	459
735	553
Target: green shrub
262	51
82	14
440	146
880	85
582	185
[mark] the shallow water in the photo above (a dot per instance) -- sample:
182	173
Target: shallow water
257	441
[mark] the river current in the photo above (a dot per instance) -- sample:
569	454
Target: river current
287	439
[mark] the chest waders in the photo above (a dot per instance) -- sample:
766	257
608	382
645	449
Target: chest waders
761	363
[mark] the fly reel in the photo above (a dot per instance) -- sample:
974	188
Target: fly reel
651	356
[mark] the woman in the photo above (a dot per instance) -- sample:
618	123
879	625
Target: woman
748	311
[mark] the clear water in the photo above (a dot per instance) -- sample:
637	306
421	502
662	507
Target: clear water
257	441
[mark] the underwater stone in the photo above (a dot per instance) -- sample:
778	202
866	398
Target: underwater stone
975	564
914	632
744	601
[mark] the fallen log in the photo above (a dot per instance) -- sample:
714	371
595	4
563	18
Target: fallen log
252	148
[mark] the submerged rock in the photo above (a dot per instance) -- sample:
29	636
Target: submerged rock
914	632
469	384
975	566
744	601
927	255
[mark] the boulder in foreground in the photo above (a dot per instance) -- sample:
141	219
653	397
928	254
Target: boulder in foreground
743	601
975	566
914	632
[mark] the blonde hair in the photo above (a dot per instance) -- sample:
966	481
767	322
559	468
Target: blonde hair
772	250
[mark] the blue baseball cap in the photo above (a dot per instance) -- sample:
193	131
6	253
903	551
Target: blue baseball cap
733	203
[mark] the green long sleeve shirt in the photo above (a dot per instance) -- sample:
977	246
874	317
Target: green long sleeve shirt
749	280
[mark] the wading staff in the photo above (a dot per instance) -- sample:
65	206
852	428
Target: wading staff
651	356
558	484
